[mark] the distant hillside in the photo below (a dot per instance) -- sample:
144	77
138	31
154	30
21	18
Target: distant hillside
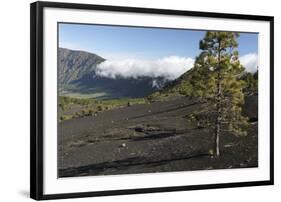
183	85
77	78
75	65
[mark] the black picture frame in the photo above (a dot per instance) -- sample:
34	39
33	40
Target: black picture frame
36	99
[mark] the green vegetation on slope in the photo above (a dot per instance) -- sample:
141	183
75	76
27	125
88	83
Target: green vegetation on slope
70	107
185	86
251	81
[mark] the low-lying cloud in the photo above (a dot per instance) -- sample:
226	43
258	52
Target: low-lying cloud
169	68
250	62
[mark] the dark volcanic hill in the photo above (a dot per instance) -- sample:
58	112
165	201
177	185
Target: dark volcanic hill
74	65
77	75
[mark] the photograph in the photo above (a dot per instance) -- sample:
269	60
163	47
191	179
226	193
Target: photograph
137	99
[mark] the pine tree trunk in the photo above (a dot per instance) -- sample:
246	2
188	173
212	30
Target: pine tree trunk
218	119
218	108
217	139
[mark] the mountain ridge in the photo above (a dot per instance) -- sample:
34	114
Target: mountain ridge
77	74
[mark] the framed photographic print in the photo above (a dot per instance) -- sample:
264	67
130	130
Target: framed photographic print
131	100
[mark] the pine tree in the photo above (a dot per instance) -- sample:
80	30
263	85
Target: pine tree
216	78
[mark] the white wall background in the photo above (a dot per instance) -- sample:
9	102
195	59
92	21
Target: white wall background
14	100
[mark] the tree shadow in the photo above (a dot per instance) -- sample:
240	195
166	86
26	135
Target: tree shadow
124	164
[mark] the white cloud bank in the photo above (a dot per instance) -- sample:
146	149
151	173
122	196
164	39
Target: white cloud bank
250	62
169	68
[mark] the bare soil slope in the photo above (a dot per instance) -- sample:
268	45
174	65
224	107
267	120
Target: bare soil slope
146	138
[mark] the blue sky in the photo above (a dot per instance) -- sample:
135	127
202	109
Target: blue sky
132	42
